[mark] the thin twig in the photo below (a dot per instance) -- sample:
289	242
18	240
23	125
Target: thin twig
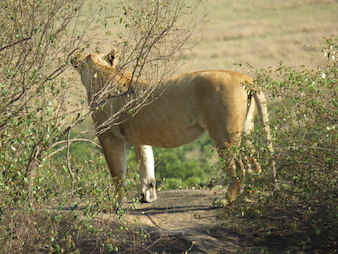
15	43
68	161
68	141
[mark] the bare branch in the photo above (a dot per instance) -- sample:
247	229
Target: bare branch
156	33
68	142
15	43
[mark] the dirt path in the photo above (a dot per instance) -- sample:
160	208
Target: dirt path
184	221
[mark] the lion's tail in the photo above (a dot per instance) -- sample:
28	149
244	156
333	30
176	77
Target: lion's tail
264	117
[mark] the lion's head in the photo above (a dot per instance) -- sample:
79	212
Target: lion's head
98	71
109	60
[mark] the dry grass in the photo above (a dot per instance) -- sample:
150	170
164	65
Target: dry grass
263	33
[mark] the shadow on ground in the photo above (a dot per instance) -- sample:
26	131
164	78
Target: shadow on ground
184	221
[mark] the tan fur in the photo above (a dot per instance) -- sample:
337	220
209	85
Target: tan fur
183	108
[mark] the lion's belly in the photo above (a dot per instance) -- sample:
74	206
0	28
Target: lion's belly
171	121
166	138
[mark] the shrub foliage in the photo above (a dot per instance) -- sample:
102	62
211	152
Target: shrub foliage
303	116
39	37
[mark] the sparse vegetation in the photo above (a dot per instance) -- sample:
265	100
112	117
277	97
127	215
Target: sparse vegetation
304	114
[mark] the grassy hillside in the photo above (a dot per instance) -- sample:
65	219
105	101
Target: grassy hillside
264	32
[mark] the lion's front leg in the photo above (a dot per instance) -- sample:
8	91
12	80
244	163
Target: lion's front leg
115	154
145	158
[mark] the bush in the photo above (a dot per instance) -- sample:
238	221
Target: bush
303	116
37	40
41	168
33	54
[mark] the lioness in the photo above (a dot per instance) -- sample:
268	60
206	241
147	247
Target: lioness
181	110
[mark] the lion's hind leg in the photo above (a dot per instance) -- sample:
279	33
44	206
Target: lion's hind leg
229	152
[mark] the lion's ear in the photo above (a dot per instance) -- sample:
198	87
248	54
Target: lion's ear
112	58
74	62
